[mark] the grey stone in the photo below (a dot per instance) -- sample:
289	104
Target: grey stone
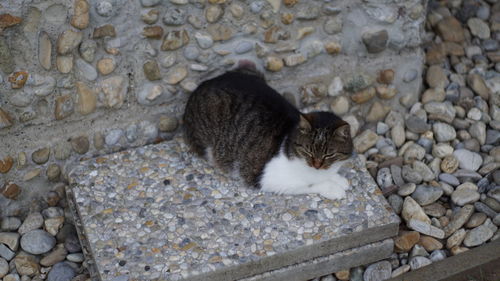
416	124
53	212
174	16
6	253
21	99
356	273
411	175
33	221
382	128
72	244
481	207
495	194
11	239
131	133
61	272
407	189
418	262
333	25
76	257
37	242
85	70
104	9
479	28
150	3
442	111
113	136
437	255
414	152
243	47
444	132
4	267
191	52
425	195
384	178
410	75
468	160
396	203
307	12
480	234
418	250
375	41
492	137
464	196
396	175
478	131
378	271
204	41
10	224
426	228
458	219
7	63
424	170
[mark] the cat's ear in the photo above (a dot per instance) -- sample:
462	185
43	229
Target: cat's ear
343	131
304	123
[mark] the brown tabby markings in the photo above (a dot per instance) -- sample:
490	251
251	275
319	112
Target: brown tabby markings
245	122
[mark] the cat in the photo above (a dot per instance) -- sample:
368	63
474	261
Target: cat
243	125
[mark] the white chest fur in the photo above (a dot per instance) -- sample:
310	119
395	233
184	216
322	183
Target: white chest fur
293	176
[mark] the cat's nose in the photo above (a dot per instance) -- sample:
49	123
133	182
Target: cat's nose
317	163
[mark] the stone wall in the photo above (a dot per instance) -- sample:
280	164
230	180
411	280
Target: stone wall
80	78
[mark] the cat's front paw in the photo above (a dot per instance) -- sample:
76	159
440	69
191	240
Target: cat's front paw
342	183
333	193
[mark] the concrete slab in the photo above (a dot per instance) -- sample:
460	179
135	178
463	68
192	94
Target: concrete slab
158	212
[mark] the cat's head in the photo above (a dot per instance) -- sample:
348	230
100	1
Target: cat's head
321	139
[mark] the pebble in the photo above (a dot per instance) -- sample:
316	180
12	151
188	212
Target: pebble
85	70
375	41
400	270
87	50
68	40
396	203
406	240
61	272
406	189
425	228
481	207
479	28
456	239
425	195
76	257
37	242
33	221
458	219
6	253
476	220
41	156
365	141
10	224
412	210
480	234
4	267
378	271
204	41
462	197
174	16
468	160
418	262
104	9
55	256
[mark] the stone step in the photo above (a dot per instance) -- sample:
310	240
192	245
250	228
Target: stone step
159	212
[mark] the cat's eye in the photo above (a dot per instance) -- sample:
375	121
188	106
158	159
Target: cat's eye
330	156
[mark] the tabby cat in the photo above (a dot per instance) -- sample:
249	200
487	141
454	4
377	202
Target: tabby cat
243	125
